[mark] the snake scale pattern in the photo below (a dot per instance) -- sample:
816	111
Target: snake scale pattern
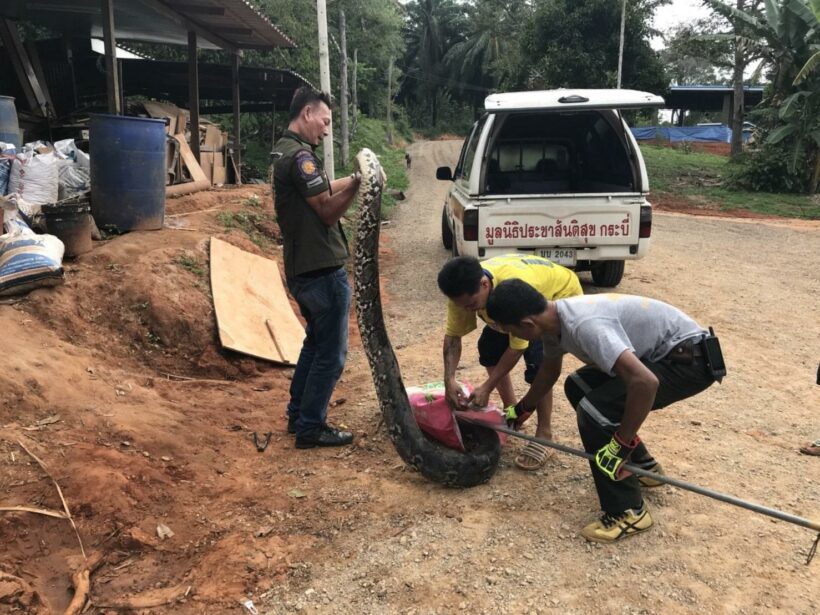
434	460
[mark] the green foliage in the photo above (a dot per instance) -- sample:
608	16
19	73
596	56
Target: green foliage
769	169
252	220
575	44
432	28
711	181
489	55
788	34
372	134
693	52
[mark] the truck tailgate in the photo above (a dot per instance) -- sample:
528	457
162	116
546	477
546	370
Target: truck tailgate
565	220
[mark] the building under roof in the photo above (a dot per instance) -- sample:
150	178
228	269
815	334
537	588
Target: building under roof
220	24
230	25
682	98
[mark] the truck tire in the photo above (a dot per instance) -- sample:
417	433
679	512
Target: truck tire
446	231
608	273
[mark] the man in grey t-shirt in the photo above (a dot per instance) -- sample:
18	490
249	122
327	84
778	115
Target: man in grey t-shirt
641	355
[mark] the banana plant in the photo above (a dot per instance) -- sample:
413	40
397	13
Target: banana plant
789	34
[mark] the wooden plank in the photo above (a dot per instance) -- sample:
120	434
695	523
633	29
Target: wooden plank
213	136
220	174
206	161
187	156
253	313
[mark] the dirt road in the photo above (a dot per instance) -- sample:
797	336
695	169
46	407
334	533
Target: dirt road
352	531
513	546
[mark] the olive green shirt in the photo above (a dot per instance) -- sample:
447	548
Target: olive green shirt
309	244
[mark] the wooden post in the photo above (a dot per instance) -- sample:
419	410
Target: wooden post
112	77
237	138
355	91
389	102
324	80
343	126
193	93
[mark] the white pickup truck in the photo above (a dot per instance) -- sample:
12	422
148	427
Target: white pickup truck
555	173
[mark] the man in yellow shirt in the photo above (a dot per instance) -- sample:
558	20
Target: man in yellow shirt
467	283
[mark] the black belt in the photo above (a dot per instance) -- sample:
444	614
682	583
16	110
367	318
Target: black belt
317	273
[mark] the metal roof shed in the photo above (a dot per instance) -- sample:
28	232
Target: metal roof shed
720	98
231	25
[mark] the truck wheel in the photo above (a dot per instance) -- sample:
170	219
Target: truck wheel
446	231
608	273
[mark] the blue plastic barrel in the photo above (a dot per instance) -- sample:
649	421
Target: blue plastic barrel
127	172
9	128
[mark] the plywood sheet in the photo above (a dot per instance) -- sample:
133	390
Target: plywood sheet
253	313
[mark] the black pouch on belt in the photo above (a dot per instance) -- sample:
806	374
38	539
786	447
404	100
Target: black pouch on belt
683	353
713	355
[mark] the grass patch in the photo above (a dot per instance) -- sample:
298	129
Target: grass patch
701	177
253	220
371	134
188	262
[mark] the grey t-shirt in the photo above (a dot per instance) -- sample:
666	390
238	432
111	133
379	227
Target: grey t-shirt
598	328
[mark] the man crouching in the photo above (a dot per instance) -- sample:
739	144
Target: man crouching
641	355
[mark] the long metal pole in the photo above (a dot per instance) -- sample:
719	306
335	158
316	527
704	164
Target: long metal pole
621	46
324	81
716	495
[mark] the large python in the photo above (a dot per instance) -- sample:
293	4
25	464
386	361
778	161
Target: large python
434	460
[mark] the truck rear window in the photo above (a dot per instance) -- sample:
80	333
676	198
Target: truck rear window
551	153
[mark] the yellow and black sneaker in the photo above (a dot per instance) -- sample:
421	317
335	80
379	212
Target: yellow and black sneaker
649	482
610	528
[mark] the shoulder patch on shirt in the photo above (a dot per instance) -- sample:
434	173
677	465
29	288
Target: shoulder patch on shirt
306	163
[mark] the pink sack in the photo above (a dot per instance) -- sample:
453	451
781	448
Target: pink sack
434	417
491	415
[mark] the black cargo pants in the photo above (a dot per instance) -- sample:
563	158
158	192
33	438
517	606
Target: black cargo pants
599	401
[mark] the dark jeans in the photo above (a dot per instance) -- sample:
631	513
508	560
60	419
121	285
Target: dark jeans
324	301
599	400
492	344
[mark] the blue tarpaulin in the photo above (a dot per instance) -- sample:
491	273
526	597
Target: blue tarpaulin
706	134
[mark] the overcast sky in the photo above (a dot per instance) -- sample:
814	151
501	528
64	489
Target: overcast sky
677	13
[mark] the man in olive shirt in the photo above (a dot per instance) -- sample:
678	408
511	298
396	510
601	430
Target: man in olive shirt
309	209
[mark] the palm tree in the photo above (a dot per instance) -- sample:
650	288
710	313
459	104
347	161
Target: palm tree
433	27
488	54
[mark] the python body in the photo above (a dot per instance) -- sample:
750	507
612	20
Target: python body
435	461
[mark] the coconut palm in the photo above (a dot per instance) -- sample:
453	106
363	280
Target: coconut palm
432	28
488	54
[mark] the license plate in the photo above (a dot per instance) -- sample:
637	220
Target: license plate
560	256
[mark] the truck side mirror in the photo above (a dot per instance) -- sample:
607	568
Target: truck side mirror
444	174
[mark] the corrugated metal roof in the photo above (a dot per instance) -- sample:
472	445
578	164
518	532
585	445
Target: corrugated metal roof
226	24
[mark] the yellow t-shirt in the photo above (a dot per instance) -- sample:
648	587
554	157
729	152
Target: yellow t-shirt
551	280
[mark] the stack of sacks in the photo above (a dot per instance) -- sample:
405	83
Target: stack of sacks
35	174
7	152
74	176
27	260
